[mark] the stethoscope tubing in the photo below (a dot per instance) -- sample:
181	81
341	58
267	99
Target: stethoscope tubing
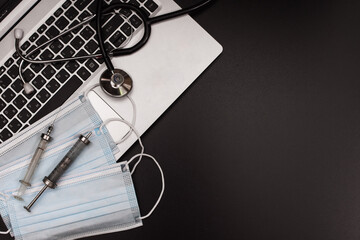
147	22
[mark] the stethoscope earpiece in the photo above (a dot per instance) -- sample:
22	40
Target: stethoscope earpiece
18	33
117	83
28	88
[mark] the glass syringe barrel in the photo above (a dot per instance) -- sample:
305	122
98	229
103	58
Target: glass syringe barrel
65	163
25	182
62	166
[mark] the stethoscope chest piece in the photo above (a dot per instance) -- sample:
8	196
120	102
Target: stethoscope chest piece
117	83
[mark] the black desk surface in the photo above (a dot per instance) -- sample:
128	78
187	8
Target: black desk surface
266	143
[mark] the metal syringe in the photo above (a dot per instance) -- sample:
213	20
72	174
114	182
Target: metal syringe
25	182
59	170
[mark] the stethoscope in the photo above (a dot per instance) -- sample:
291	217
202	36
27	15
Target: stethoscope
114	82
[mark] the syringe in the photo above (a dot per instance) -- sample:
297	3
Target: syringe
25	182
59	170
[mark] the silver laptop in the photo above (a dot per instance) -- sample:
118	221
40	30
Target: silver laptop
178	51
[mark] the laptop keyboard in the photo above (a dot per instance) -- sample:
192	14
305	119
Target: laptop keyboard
55	83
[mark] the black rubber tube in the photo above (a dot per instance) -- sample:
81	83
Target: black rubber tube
104	54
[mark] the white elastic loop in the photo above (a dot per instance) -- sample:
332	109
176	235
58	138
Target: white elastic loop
7	232
136	133
86	92
162	180
133	120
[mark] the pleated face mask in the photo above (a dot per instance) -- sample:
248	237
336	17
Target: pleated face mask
94	196
95	202
78	117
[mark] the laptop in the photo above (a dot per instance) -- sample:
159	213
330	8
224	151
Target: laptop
178	51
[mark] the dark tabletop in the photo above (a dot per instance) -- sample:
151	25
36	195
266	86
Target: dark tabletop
266	143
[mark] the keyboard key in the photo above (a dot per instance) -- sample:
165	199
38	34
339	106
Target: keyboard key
48	72
151	5
87	33
112	25
91	65
117	39
81	4
72	66
53	85
135	21
134	2
68	52
71	13
77	42
37	67
56	46
83	73
91	46
33	37
28	75
33	105
127	29
15	125
41	40
3	121
8	95
19	101
59	98
52	32
92	7
2	105
58	12
47	55
66	38
25	45
5	135
66	4
24	115
61	23
13	71
9	62
73	23
50	20
39	81
43	95
84	15
42	29
15	55
145	11
10	111
58	65
62	76
125	12
17	85
2	70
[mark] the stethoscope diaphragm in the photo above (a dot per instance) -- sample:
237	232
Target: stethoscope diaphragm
117	83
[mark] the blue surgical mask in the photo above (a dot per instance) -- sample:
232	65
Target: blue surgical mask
78	117
94	202
89	200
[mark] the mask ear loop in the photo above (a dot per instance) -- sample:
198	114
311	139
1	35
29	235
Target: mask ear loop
136	133
162	181
4	199
133	119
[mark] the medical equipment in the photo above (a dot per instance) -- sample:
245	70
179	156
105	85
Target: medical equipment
25	182
114	82
63	165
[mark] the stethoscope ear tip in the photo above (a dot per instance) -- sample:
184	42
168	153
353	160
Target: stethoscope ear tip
28	88
18	33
